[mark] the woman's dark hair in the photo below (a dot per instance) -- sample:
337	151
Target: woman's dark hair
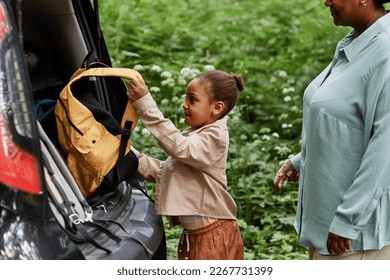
223	87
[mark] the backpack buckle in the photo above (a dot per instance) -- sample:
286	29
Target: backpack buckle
88	215
75	218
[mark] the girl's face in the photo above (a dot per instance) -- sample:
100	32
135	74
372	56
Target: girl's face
199	109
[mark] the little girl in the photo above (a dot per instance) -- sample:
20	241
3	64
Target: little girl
191	184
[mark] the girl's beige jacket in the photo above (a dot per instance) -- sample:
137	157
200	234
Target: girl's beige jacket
192	180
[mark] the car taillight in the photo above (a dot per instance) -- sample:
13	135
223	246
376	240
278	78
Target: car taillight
19	147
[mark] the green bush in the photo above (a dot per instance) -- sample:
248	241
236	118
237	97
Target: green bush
277	46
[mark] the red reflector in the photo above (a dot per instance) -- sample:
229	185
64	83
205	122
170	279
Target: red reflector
4	28
18	168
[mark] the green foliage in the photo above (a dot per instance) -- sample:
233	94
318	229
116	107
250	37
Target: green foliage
277	46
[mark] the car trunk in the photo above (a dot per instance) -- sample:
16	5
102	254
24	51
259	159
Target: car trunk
56	37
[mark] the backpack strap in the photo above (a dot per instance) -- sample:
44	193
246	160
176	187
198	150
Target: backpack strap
125	138
126	73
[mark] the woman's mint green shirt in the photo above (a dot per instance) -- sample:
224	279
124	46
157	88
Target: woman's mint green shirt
344	163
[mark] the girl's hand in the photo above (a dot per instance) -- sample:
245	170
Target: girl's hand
287	171
136	89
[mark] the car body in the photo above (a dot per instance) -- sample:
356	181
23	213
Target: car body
42	43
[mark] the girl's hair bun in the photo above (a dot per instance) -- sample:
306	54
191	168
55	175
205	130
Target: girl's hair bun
239	82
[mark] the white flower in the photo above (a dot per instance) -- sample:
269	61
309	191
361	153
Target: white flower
154	89
189	73
276	135
288	90
209	67
285	125
291	81
287	98
164	101
265	137
282	73
185	71
166	74
155	68
175	99
294	109
138	67
194	72
168	82
182	81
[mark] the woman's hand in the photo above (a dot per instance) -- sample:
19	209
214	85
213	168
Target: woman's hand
136	89
337	244
287	171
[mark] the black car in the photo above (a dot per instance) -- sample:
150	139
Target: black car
42	43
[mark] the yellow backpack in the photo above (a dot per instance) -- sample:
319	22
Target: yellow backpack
96	142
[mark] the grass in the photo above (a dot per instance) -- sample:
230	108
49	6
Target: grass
277	46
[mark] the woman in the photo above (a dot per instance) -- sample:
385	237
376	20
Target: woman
344	197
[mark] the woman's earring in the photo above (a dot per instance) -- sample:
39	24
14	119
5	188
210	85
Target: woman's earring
363	2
